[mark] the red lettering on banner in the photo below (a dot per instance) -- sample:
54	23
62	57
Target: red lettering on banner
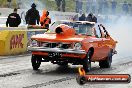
16	41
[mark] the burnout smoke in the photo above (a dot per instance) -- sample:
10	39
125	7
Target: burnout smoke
121	30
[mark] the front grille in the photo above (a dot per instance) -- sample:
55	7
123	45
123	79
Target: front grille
56	45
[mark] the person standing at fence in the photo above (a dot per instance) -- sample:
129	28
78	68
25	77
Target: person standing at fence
19	4
94	6
125	7
106	7
60	5
13	19
45	20
91	18
32	15
113	6
82	17
130	7
100	4
9	3
88	6
79	5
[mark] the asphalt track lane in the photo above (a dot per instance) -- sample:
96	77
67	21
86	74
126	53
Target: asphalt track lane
18	73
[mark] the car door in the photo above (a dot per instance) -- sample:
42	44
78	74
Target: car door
105	41
98	45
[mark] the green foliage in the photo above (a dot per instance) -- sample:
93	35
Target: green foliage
70	4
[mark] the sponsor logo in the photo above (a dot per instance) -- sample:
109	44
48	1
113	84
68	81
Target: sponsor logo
102	78
16	41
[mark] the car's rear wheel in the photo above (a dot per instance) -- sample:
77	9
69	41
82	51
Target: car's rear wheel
87	62
36	62
107	62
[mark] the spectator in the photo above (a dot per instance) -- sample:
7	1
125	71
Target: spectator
125	7
79	4
94	6
45	19
75	18
100	10
130	6
82	18
91	18
60	5
13	19
113	6
9	3
106	7
88	6
19	3
32	15
63	5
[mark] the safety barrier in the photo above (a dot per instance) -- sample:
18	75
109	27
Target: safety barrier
15	41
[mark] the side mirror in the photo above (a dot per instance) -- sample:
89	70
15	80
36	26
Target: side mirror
116	41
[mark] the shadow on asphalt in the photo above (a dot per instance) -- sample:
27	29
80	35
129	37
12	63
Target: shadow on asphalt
59	70
71	70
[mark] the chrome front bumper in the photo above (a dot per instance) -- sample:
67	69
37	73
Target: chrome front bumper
58	50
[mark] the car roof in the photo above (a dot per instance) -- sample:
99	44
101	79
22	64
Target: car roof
83	22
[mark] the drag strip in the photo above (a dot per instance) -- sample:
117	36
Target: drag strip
18	73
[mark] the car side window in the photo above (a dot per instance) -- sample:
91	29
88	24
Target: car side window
98	33
103	32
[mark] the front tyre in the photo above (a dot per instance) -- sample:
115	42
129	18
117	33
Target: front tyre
36	62
87	62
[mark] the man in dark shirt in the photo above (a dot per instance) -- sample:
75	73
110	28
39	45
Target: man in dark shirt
91	18
13	19
82	18
32	16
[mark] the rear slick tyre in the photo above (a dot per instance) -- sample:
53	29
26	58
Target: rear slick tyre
107	62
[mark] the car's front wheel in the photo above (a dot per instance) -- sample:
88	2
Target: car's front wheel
87	62
36	62
107	62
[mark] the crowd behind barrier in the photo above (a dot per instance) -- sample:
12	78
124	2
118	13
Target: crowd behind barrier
17	42
14	40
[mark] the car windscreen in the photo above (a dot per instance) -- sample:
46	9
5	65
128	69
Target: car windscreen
80	28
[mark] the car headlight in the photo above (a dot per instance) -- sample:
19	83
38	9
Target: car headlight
77	46
34	43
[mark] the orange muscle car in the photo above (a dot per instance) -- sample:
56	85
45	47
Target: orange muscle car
76	42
